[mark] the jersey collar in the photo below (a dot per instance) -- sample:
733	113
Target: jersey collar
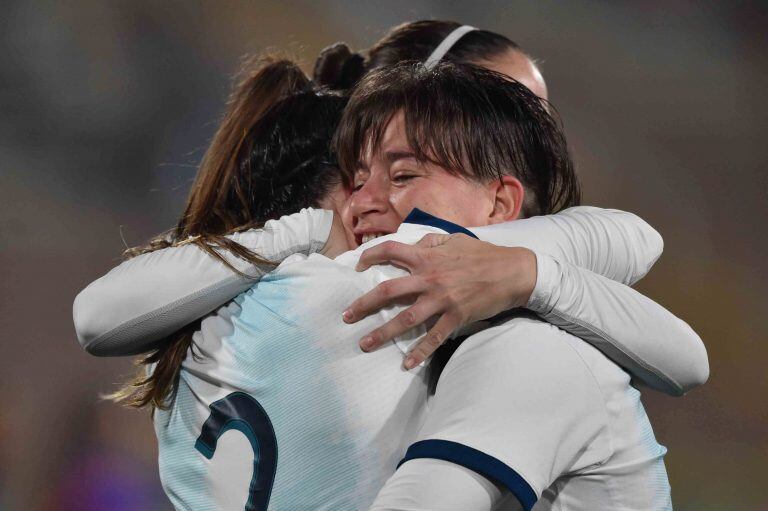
419	217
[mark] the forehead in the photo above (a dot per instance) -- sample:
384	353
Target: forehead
393	144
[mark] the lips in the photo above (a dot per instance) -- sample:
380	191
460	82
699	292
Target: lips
365	237
367	229
368	237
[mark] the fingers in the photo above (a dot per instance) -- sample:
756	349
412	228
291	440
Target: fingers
433	240
393	252
411	317
414	258
433	340
381	296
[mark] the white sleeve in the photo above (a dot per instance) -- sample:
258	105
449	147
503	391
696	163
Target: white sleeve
640	335
651	343
612	243
428	483
152	295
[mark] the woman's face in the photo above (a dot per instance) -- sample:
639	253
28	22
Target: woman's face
391	182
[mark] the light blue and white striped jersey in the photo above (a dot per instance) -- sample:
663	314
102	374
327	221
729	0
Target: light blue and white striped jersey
281	409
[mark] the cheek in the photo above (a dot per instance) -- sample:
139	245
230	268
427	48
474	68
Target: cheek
473	206
457	201
402	201
347	218
454	200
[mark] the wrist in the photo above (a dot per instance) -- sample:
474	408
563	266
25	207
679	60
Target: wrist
520	268
548	281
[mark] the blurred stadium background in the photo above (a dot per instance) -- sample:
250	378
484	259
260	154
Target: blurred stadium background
106	108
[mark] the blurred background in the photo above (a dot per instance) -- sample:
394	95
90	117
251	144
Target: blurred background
105	111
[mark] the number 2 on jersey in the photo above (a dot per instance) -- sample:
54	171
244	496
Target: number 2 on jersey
242	412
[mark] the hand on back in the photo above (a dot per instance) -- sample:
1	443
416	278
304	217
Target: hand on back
454	278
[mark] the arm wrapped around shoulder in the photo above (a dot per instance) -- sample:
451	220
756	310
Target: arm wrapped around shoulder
653	344
615	244
150	296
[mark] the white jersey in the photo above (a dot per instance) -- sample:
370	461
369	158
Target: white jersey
320	420
322	423
281	410
582	251
548	418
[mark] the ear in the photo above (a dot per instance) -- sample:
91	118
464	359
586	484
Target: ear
508	194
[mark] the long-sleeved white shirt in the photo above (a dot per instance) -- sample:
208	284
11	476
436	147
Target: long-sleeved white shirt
327	423
581	252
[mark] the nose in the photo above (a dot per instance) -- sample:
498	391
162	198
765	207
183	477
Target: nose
370	199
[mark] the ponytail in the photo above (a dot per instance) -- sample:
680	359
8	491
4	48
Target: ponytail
338	68
218	204
272	80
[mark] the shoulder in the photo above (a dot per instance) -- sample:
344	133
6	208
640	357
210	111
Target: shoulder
306	218
305	231
314	283
528	356
525	337
520	393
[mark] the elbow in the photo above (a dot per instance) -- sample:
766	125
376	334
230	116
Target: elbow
87	320
653	243
107	324
687	364
655	246
646	245
700	372
698	367
702	377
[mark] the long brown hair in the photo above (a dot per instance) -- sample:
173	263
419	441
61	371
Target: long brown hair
235	190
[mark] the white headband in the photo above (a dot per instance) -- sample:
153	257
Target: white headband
445	46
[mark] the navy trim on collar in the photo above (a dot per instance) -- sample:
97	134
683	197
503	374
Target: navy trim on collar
484	464
420	217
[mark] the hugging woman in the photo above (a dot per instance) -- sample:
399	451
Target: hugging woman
325	422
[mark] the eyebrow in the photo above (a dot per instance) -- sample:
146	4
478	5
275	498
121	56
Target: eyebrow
393	156
390	157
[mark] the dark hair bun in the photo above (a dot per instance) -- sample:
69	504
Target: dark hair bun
338	68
